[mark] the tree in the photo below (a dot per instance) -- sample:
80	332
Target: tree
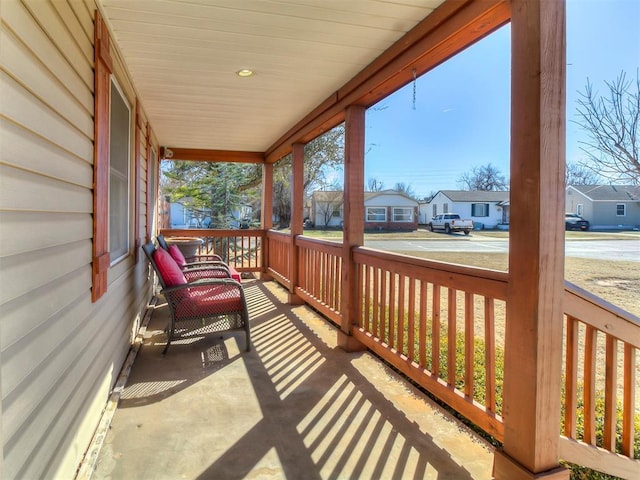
405	188
323	158
212	190
215	190
486	177
578	174
612	126
375	185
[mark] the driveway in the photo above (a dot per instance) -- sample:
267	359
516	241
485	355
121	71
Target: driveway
622	250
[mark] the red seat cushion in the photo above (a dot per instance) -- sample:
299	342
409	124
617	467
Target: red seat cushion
168	268
177	255
216	299
205	301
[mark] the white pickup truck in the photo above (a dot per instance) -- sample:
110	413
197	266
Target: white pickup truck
451	222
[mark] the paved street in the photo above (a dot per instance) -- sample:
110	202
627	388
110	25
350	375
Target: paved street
624	250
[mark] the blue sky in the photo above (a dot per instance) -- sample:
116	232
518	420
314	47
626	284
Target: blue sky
461	114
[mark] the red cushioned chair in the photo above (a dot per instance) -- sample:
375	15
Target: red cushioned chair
201	260
201	301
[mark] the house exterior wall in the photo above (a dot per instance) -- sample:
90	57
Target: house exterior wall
464	209
389	202
604	214
575	201
60	354
326	209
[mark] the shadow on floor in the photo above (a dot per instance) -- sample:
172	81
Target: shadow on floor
295	407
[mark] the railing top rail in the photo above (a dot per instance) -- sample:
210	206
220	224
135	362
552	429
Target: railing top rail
483	273
329	246
275	234
211	232
593	310
490	283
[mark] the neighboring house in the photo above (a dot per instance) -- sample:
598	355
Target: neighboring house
605	206
385	210
326	208
182	217
390	210
489	209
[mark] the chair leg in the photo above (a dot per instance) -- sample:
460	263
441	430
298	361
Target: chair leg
247	332
169	331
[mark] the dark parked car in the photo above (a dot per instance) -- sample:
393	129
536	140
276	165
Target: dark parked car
573	221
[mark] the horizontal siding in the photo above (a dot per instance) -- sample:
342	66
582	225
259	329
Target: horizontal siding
19	105
24	149
22	24
60	353
24	190
18	234
24	68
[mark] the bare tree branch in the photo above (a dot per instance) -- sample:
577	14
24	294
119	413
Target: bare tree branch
612	126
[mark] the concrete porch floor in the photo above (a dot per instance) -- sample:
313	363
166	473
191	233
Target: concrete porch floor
295	407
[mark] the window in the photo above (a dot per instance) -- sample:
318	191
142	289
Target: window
580	209
445	208
479	209
336	213
621	209
402	214
376	214
435	209
119	144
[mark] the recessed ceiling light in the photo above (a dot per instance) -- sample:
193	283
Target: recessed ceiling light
245	72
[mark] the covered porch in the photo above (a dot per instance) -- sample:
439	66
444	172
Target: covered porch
312	399
296	406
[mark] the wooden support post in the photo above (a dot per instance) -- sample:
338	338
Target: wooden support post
353	227
297	200
266	215
533	344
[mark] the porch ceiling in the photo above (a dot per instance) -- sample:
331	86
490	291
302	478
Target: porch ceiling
183	56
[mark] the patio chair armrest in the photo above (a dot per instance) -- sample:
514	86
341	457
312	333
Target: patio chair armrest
208	271
193	265
207	257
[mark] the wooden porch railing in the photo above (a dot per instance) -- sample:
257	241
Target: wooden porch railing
279	263
442	325
601	385
320	275
241	249
435	323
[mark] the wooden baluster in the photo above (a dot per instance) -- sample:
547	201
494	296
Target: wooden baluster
628	404
411	320
435	331
468	344
610	386
422	340
571	378
393	311
451	334
489	354
590	343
